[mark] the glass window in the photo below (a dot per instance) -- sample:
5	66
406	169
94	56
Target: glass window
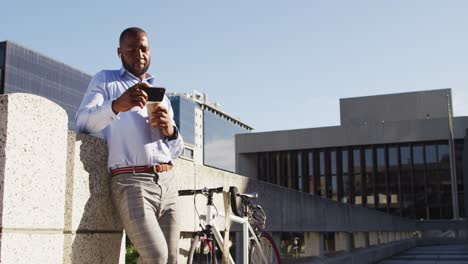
273	167
433	183
369	177
393	181
357	176
310	159
380	180
299	172
443	171
406	179
419	181
322	173
218	138
334	184
346	181
459	147
184	117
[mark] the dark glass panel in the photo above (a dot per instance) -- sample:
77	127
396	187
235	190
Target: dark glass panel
334	183
369	177
357	176
274	168
310	159
380	181
459	146
184	117
419	181
299	172
433	182
2	64
346	181
393	180
322	186
218	138
443	159
406	180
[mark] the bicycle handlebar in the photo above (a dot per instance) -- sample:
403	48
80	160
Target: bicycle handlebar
233	191
198	191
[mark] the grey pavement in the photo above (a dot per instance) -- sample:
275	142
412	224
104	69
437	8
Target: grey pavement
444	254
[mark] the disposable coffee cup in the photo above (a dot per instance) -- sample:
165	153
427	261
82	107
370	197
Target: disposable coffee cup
151	106
155	96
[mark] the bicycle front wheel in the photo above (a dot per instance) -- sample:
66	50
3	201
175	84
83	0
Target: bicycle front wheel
269	248
202	251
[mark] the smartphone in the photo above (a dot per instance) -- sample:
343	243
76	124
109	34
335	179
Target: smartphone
155	94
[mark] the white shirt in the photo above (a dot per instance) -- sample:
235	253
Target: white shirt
131	140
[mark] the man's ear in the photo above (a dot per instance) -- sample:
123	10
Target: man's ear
119	53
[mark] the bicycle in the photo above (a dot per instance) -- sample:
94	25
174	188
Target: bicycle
258	246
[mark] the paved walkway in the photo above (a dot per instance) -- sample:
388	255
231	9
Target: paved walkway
448	254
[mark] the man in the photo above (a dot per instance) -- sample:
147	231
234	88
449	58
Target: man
143	186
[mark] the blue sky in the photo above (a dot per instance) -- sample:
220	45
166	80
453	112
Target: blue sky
273	64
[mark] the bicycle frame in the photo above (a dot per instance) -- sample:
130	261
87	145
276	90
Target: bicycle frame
246	230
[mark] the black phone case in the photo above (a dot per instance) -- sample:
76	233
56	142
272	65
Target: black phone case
155	94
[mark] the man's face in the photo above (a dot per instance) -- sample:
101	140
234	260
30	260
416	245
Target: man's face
135	54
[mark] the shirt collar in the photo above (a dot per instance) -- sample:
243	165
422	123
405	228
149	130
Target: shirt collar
149	78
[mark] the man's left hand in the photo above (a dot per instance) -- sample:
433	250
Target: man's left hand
163	120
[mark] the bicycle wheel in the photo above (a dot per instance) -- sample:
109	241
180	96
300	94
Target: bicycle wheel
201	251
269	249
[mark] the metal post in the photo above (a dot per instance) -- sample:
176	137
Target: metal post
245	231
453	171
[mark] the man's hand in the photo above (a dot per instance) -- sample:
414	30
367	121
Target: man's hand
163	120
130	98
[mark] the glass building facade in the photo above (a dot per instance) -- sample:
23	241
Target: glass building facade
184	117
208	132
218	139
26	71
406	179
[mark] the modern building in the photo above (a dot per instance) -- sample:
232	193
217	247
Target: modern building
397	153
25	71
208	131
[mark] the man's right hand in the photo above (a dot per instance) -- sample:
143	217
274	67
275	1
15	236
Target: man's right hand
132	97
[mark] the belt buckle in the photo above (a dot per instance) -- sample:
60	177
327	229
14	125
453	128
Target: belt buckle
157	168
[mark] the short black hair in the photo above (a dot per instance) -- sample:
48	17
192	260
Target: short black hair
131	31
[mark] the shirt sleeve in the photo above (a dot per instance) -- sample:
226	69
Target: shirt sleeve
95	112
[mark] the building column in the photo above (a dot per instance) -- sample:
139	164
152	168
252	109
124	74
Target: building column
313	244
373	238
391	236
342	241
361	240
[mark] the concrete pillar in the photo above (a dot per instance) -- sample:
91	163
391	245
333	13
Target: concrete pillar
391	236
54	196
342	241
313	244
373	238
360	240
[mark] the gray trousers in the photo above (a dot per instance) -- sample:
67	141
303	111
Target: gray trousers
146	204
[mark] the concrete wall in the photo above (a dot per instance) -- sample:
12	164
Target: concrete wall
395	107
336	136
54	196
